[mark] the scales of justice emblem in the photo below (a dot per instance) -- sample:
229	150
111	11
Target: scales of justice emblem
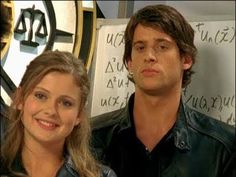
41	32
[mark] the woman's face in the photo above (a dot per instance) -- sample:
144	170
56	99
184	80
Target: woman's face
51	111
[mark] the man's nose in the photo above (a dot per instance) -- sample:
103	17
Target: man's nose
150	56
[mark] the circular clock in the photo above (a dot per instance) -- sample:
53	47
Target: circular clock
6	38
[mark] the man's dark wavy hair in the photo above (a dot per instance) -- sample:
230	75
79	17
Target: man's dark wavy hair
172	23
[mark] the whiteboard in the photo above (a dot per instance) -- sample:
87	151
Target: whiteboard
212	90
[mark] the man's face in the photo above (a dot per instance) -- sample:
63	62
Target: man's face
155	62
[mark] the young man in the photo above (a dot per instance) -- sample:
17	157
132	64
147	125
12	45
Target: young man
156	135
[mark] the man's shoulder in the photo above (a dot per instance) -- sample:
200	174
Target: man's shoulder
103	128
211	127
107	172
107	120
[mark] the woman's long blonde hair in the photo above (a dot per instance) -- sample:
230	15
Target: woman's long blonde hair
77	143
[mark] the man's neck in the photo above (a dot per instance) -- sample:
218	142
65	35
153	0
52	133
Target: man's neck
154	116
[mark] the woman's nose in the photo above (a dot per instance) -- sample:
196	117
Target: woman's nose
50	108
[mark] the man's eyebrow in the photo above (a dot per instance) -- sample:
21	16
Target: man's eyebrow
164	40
158	40
138	42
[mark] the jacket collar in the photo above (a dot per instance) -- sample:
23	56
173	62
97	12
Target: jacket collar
125	122
68	164
179	131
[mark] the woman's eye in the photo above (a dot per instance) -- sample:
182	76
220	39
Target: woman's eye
66	103
40	96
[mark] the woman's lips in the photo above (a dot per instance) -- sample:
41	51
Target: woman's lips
47	125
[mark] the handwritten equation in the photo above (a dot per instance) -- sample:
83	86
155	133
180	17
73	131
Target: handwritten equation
116	75
115	39
222	107
114	88
116	79
115	101
225	34
113	72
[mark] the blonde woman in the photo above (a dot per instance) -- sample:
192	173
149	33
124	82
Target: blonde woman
47	131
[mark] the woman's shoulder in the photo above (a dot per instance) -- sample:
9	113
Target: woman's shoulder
107	172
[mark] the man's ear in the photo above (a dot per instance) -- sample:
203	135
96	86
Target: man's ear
129	63
187	62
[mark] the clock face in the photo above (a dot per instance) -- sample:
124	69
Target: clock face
38	26
8	14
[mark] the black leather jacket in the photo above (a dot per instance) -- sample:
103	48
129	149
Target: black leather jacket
67	169
203	146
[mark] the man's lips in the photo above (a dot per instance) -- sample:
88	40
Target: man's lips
149	71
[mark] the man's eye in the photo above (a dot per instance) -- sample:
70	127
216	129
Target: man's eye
139	48
162	47
40	96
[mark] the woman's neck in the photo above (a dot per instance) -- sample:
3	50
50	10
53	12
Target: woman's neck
41	160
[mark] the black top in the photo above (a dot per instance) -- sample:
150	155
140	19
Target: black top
137	160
